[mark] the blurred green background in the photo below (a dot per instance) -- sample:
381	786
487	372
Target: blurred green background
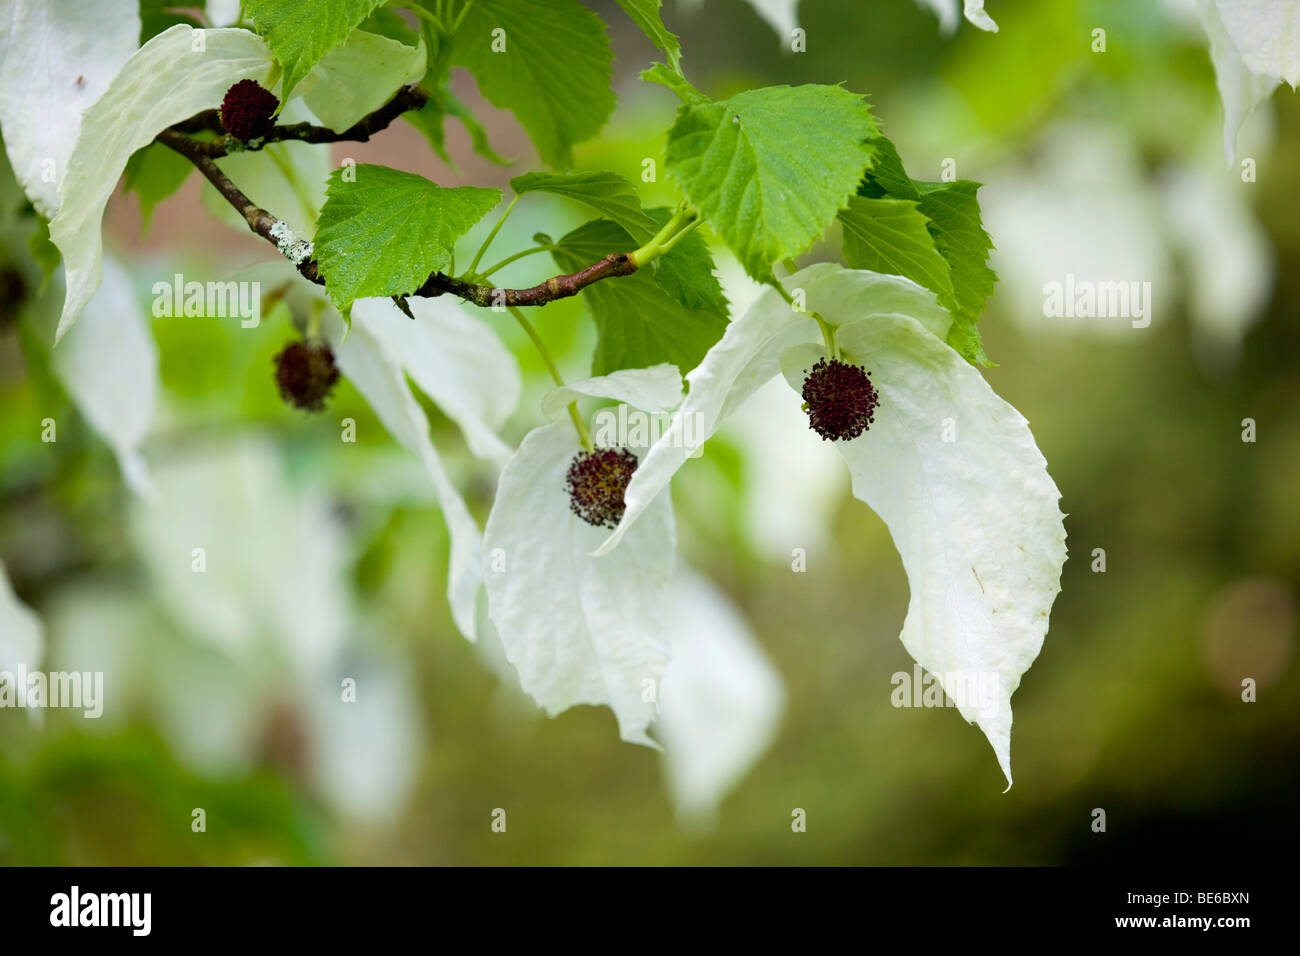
1105	159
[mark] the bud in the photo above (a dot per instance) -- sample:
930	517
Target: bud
305	372
839	400
247	109
596	481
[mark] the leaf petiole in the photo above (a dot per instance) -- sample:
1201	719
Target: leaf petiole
583	435
490	236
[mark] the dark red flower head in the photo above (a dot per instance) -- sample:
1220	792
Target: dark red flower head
596	482
305	372
247	109
839	399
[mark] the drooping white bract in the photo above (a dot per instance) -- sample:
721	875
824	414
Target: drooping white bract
244	560
721	701
56	59
656	390
456	360
1267	34
178	73
975	518
108	364
22	640
1254	46
580	629
377	371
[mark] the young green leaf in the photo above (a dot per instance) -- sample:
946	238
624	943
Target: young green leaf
637	323
769	168
893	237
300	34
954	214
887	177
662	75
385	231
685	272
607	194
646	15
547	61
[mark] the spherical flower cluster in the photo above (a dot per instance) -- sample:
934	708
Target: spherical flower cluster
247	110
839	399
305	372
596	482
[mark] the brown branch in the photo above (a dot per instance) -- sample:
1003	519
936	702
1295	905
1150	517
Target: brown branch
261	222
406	99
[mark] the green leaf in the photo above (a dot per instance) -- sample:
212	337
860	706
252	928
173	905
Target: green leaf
893	237
886	177
685	272
547	61
769	168
637	323
385	232
431	119
674	81
645	14
154	173
608	194
954	213
300	34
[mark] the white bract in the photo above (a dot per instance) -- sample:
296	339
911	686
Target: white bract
244	560
951	468
172	77
721	703
1254	45
56	59
377	372
579	629
456	360
948	12
22	640
108	364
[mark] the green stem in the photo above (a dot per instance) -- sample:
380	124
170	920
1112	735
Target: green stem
578	423
491	235
828	333
513	258
426	15
683	221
